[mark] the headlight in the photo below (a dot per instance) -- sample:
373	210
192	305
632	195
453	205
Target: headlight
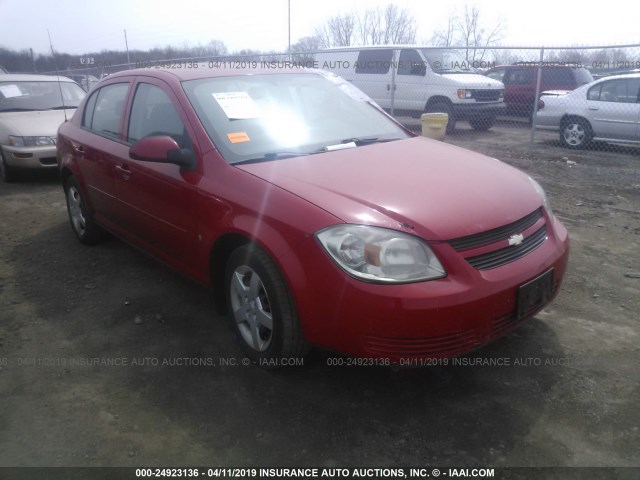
462	93
380	255
543	195
31	141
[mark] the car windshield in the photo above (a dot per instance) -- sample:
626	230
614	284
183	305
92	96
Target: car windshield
39	95
271	116
447	61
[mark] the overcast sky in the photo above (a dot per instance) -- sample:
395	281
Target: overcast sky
82	26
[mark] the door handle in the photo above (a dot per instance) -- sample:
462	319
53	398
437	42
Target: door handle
124	171
78	147
593	108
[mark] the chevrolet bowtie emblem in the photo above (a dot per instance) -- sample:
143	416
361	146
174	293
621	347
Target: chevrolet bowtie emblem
516	239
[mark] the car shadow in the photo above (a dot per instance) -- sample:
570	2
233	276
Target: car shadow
186	373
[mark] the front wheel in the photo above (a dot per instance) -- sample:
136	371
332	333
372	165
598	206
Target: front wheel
261	308
575	133
7	174
482	124
79	215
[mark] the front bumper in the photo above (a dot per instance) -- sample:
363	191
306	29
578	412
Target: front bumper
477	110
30	157
439	318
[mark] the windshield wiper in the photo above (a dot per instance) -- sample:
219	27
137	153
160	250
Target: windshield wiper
63	107
367	141
273	156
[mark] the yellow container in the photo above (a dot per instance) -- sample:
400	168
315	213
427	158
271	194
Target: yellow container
434	125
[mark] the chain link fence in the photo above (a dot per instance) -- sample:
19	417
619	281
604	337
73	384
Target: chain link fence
575	97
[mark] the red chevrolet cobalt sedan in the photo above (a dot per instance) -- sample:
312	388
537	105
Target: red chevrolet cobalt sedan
315	217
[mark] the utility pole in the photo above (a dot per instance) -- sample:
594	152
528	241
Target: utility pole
127	46
289	23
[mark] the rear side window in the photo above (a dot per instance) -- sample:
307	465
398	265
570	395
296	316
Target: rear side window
374	61
153	114
619	91
103	111
558	76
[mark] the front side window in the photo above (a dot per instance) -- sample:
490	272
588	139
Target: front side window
519	76
411	63
103	110
497	74
153	114
264	117
611	91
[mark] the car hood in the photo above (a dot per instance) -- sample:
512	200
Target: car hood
35	123
435	190
474	80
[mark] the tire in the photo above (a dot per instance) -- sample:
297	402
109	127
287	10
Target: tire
443	107
80	216
575	133
261	309
482	124
7	174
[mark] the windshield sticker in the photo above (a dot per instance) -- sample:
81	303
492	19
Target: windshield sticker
10	91
238	137
237	105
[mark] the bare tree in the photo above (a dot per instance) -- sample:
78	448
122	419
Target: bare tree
475	38
467	31
446	37
338	31
303	49
379	26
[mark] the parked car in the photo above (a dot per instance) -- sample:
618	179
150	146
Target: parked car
32	107
315	217
86	81
606	110
417	80
520	83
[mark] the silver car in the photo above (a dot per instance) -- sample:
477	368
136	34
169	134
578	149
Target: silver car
606	110
32	107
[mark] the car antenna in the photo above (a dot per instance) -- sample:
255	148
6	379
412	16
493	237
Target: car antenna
55	64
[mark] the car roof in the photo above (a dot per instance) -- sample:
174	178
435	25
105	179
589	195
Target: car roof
535	64
25	77
204	71
386	47
618	76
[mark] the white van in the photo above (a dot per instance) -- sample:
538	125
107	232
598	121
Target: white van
415	80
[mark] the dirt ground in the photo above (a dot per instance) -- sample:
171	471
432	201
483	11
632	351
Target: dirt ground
109	359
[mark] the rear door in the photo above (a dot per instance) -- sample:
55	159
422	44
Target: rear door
158	199
99	145
613	108
373	74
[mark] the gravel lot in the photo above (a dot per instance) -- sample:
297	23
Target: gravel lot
569	395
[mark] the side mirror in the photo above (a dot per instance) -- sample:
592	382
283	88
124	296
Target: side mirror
162	149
